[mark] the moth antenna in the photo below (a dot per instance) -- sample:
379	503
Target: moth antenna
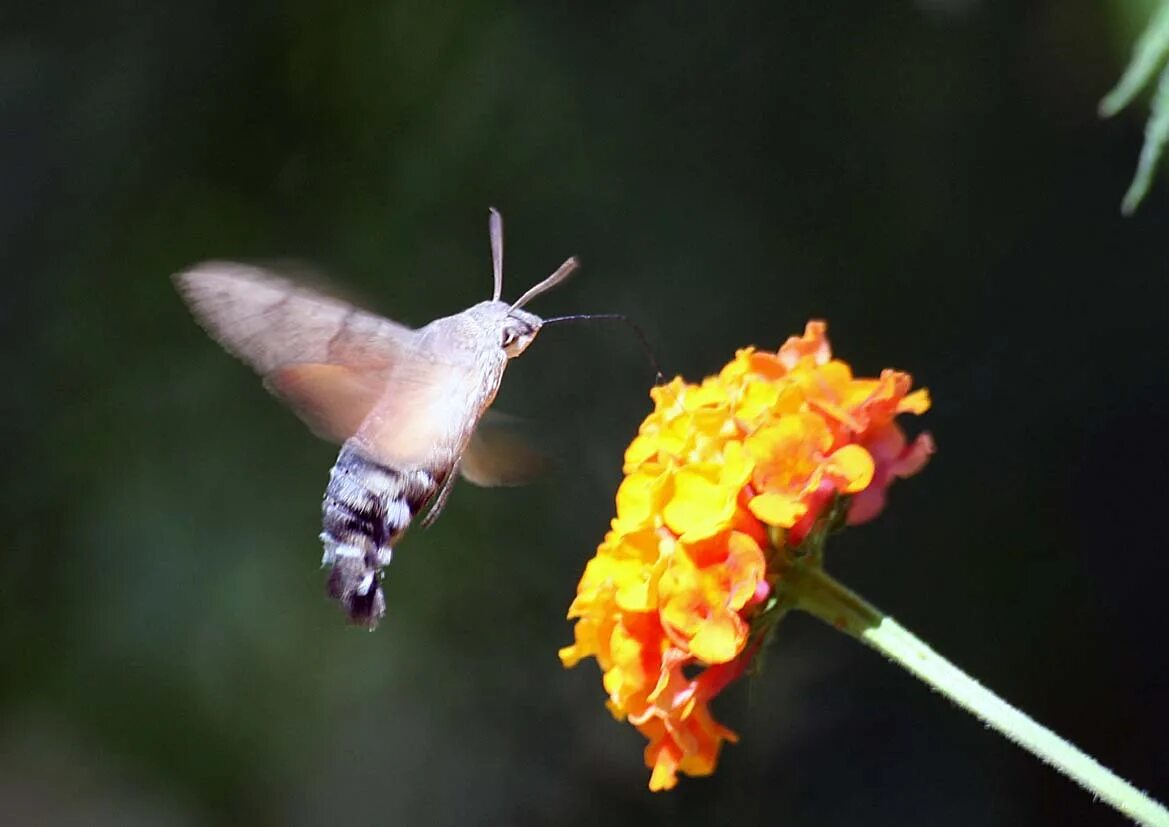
616	317
562	272
495	228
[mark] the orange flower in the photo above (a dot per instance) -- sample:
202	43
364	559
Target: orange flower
718	475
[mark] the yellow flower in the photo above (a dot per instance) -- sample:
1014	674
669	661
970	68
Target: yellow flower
768	443
704	590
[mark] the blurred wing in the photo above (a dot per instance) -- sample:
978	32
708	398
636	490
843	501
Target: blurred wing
269	322
499	455
331	399
328	360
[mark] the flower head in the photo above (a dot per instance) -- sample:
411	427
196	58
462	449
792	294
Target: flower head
720	477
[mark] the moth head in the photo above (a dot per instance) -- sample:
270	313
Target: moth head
517	328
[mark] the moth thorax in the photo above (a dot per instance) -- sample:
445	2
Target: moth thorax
366	508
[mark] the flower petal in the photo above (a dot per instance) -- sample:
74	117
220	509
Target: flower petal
700	506
777	509
720	638
851	468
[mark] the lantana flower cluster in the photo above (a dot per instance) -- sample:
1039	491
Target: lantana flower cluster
721	475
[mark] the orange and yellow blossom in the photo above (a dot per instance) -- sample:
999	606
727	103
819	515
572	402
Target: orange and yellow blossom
715	474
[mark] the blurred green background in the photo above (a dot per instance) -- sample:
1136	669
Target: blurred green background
929	176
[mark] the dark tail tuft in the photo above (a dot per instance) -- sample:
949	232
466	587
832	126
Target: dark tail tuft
356	584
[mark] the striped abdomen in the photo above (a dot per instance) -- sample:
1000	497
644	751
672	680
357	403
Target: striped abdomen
367	506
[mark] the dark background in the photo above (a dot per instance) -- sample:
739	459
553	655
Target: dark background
930	177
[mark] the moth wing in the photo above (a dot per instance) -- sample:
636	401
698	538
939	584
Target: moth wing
268	321
332	400
327	359
498	454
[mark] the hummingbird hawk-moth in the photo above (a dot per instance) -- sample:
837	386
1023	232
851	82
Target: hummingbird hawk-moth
404	404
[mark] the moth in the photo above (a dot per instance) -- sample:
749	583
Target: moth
404	404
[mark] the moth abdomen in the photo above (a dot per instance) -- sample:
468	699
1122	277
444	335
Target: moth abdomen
367	506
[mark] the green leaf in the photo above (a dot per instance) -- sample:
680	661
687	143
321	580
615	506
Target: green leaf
1156	136
1151	50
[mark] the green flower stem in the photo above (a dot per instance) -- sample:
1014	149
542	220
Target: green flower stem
810	588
